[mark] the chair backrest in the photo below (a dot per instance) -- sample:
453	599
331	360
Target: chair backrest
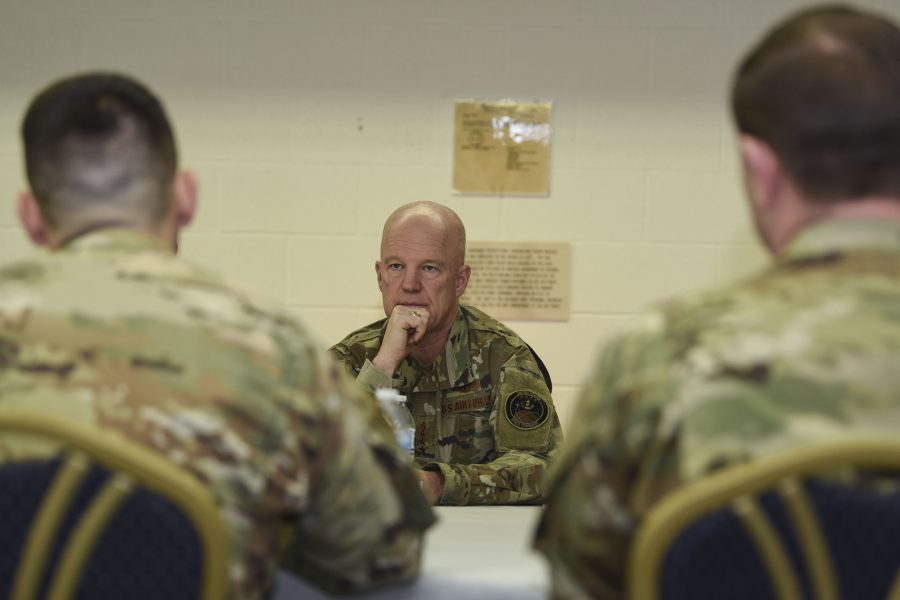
106	518
821	521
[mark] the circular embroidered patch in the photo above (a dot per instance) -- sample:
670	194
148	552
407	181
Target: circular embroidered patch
526	410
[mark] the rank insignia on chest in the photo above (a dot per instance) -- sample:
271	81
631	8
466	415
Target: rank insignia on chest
526	410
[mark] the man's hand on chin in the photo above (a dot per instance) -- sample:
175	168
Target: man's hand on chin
432	484
406	326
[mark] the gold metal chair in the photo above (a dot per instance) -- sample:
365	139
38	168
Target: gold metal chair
70	526
781	527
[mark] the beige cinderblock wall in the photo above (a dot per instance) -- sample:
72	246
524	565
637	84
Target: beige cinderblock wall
308	121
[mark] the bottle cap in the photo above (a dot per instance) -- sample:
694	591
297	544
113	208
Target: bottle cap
385	394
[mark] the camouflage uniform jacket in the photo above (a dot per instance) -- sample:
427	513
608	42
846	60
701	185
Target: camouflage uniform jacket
483	412
809	348
114	331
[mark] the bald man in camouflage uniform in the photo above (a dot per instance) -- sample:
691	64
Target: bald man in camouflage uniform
807	350
110	329
486	429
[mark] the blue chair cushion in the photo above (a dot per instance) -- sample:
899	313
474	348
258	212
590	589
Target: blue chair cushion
149	549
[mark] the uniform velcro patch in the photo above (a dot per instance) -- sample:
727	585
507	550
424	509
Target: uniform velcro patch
526	410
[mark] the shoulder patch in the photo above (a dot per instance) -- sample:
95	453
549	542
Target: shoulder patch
526	410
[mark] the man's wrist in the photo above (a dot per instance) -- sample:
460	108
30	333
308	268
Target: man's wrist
457	483
371	376
385	365
432	485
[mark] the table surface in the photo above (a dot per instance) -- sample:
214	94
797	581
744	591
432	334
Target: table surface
471	552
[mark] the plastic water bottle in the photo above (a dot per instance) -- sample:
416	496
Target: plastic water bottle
393	405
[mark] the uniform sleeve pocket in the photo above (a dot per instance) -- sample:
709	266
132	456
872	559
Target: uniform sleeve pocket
467	416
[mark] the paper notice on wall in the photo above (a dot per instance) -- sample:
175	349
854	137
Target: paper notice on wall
520	280
502	148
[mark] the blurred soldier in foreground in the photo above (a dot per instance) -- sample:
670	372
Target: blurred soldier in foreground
109	328
807	349
486	428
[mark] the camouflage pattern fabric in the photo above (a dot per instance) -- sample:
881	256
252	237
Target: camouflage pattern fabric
116	332
483	411
806	350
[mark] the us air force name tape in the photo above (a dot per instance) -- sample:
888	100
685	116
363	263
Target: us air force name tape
526	410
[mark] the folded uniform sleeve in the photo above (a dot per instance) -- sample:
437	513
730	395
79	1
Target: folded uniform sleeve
366	374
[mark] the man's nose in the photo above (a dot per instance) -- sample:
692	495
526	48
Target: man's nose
411	281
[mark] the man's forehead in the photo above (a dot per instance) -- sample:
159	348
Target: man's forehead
414	247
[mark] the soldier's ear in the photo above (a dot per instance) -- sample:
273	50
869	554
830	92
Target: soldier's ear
763	175
184	197
32	218
462	279
378	273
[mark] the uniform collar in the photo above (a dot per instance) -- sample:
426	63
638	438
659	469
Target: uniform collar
452	367
117	240
837	235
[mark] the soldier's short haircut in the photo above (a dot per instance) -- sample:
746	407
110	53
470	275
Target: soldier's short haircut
99	147
823	90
